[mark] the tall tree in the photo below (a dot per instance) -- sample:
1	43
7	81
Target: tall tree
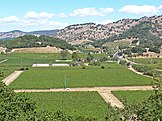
75	56
64	54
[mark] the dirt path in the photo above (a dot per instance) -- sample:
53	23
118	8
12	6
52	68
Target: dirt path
110	98
12	77
3	61
100	89
135	71
105	92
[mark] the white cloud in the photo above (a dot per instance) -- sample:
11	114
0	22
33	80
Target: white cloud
160	7
43	23
9	19
62	15
84	12
143	10
105	21
32	19
106	10
35	15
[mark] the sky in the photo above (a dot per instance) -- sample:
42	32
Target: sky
32	15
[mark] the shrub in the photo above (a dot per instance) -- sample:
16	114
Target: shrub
83	67
23	69
122	62
102	67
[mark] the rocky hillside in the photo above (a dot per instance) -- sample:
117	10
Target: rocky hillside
18	33
92	31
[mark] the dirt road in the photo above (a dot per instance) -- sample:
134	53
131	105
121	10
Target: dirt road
3	61
12	77
105	92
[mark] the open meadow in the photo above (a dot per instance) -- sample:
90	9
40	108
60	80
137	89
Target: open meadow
133	97
87	104
27	59
112	75
153	62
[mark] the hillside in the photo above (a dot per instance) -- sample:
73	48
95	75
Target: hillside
28	41
145	33
92	31
18	33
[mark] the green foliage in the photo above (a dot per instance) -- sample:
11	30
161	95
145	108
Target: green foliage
122	62
149	110
113	115
112	75
27	41
27	59
75	56
82	105
64	54
132	97
15	107
147	70
140	31
18	107
89	57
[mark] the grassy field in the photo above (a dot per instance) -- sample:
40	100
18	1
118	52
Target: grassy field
153	62
27	59
112	75
132	97
6	71
88	104
115	44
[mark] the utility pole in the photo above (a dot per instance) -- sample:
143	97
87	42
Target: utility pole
65	83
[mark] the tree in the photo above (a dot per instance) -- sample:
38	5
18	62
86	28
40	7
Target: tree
75	56
64	54
149	110
89	57
112	114
15	107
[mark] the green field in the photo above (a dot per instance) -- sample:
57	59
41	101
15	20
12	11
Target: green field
133	97
27	59
6	71
153	62
88	104
113	75
115	44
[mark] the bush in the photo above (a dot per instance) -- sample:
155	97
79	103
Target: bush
142	68
122	62
102	67
83	67
23	69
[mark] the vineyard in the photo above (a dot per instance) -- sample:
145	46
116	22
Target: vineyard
153	62
87	104
76	104
112	75
133	97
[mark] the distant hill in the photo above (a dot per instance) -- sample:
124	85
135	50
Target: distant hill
18	33
28	41
92	31
44	32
